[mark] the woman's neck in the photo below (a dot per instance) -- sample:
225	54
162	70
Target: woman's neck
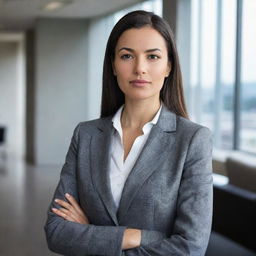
137	113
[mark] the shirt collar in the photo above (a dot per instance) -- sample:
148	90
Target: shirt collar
146	128
156	117
117	121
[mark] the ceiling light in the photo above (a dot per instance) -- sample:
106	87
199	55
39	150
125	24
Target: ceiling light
54	5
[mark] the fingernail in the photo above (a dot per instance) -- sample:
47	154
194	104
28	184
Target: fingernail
68	195
54	209
56	200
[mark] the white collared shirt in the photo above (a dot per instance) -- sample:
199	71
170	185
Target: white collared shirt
120	169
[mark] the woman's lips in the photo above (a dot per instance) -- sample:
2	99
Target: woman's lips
139	83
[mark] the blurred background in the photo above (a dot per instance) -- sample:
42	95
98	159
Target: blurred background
51	60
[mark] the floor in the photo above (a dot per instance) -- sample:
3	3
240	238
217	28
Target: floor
25	192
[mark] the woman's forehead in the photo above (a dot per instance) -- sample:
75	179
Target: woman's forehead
142	39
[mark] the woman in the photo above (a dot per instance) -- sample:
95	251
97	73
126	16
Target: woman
138	180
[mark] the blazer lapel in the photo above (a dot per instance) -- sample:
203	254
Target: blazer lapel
100	157
162	136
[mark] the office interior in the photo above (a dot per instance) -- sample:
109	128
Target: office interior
51	60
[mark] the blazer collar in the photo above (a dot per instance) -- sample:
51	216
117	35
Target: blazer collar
167	120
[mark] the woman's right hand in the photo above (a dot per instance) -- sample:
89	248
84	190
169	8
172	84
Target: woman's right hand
71	211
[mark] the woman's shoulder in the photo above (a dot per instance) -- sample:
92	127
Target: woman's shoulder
181	125
188	127
91	126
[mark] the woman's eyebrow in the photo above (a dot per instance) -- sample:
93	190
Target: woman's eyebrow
153	50
131	50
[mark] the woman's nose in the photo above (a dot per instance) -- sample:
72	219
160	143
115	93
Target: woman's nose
140	67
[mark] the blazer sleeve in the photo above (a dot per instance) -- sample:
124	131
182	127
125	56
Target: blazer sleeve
193	221
70	238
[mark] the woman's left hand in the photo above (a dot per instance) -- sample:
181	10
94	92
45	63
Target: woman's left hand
71	210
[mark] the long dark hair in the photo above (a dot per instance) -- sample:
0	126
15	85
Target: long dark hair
172	91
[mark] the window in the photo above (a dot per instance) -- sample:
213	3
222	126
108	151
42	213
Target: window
222	71
247	138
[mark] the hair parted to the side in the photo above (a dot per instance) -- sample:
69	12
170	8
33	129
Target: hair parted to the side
172	91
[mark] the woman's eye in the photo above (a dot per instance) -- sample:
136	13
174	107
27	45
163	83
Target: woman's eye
153	57
126	56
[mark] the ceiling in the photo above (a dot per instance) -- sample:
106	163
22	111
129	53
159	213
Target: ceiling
21	14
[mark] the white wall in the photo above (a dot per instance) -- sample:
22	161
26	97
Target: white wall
12	92
99	30
61	86
183	36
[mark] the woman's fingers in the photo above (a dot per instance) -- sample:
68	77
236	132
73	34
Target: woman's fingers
63	203
68	208
68	215
62	214
82	216
71	210
73	201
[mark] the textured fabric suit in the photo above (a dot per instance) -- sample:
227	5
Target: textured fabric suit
168	194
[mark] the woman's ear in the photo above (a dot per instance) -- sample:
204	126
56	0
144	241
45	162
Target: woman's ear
169	68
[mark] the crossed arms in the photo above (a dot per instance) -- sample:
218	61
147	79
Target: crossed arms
69	232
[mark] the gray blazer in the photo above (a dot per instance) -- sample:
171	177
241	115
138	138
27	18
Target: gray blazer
168	194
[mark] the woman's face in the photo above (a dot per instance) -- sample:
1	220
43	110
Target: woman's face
141	63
